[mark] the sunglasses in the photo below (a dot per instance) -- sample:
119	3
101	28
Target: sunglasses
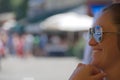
97	33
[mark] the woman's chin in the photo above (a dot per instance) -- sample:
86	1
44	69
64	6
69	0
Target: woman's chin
95	63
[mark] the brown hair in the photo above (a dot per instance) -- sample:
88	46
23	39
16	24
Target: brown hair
115	10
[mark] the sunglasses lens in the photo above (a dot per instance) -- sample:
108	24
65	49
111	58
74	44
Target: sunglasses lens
98	33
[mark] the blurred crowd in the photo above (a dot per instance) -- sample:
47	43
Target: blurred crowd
42	44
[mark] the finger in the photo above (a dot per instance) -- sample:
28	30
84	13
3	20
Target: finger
80	65
99	76
94	69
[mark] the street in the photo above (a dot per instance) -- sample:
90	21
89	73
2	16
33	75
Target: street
41	68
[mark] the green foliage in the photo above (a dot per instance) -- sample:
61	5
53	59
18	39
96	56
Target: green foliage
20	8
15	3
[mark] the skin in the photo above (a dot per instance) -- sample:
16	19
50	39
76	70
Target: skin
106	54
87	72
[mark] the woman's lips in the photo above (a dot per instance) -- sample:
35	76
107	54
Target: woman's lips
96	50
96	53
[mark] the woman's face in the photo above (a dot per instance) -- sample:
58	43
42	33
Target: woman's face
105	53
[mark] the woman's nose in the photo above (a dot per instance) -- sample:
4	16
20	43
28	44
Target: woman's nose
92	42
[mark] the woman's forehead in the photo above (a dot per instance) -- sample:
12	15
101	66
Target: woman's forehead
103	17
104	20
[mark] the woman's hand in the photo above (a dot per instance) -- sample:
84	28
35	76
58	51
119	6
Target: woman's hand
87	72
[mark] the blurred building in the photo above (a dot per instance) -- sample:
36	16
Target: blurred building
40	9
61	4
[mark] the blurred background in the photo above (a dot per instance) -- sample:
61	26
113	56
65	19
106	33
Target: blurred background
45	39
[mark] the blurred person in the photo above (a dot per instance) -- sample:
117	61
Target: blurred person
2	49
105	43
10	45
53	48
36	41
3	42
28	44
55	39
56	47
15	42
20	46
18	43
43	42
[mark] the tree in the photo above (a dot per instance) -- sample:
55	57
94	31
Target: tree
20	8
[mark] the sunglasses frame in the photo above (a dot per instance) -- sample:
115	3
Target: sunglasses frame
98	35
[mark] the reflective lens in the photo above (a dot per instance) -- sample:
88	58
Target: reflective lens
96	33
